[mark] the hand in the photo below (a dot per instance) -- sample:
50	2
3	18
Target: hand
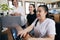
12	14
17	14
22	33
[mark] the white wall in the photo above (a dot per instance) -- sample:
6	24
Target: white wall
3	1
50	1
46	1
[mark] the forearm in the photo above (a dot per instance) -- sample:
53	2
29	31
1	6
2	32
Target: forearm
28	29
40	39
44	39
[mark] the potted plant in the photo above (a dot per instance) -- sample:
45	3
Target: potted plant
4	8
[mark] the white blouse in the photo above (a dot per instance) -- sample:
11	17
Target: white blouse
20	10
45	28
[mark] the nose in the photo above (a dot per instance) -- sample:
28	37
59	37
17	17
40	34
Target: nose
38	13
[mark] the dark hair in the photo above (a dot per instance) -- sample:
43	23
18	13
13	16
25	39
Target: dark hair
46	9
34	7
12	2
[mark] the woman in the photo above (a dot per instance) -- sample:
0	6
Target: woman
32	15
18	11
45	27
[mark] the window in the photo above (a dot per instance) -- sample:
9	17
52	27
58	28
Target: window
10	4
49	6
40	3
27	6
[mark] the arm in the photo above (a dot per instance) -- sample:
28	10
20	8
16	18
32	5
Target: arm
27	17
27	24
25	31
17	14
50	37
28	29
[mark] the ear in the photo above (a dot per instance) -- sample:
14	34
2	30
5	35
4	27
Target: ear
46	13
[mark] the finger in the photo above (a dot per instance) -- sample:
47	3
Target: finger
24	35
18	34
21	35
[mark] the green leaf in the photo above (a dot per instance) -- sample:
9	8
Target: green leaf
5	7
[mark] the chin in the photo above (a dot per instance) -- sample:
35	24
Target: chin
38	17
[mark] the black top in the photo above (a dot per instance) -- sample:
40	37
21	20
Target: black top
31	18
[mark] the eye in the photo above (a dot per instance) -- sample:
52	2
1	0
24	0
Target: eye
39	11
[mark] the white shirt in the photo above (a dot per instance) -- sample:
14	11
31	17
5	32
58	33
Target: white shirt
45	28
20	10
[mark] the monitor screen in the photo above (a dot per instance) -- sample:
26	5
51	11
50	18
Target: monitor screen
9	21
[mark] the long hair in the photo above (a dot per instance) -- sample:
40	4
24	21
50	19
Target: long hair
34	8
12	1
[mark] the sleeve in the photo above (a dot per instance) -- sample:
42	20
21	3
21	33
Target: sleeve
22	11
51	28
10	11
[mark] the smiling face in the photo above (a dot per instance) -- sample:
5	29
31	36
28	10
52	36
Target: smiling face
15	2
31	8
41	13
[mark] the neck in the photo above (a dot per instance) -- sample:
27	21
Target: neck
31	12
16	6
42	20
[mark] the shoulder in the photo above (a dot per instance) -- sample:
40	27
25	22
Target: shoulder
28	14
50	21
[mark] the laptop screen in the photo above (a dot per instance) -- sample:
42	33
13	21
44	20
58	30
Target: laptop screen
9	21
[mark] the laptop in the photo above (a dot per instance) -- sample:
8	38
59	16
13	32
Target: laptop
9	21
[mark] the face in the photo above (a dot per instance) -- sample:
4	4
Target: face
31	8
41	13
15	2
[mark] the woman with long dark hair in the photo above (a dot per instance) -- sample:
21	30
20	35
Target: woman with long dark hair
32	14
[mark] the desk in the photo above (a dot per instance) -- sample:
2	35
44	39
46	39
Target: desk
7	31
